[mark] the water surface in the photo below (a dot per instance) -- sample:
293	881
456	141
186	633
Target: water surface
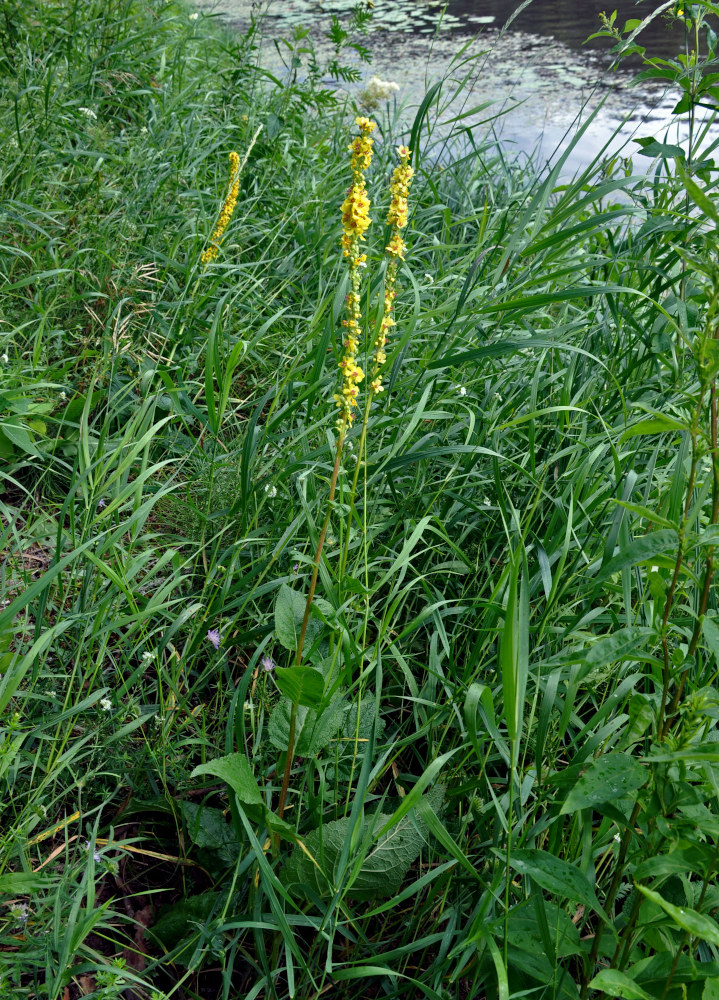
538	71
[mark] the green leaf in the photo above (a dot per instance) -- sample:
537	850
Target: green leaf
302	685
289	612
612	777
237	773
638	551
696	193
618	984
659	424
382	870
20	883
314	731
689	920
177	920
620	645
711	634
556	876
711	989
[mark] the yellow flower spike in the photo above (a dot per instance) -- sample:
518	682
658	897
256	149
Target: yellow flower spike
228	207
355	223
397	218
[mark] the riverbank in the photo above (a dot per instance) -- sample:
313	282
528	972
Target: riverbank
300	698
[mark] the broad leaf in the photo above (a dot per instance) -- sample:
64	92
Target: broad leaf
236	771
302	685
612	777
640	550
557	876
289	612
689	920
618	984
383	868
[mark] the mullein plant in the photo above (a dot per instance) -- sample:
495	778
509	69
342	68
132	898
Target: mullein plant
355	223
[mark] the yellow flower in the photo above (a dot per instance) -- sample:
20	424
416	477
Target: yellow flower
228	208
397	218
355	222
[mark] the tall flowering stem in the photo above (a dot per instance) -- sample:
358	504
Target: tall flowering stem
228	207
396	249
355	223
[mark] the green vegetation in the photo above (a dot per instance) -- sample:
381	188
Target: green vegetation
495	721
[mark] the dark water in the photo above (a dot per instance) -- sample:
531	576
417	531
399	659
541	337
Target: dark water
572	21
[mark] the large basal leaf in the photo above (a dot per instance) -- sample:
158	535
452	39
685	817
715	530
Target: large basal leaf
607	779
314	731
236	771
179	919
557	876
382	871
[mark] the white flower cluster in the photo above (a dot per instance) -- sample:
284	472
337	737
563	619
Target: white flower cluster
377	91
88	113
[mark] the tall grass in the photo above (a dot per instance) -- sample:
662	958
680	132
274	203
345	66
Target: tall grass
498	735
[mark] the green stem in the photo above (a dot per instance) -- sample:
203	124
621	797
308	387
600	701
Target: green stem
305	620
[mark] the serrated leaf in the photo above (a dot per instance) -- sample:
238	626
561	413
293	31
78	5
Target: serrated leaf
556	876
618	984
302	685
689	920
237	773
612	777
383	868
313	730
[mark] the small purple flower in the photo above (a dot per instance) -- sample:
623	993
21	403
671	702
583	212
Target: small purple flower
213	634
101	504
268	664
296	567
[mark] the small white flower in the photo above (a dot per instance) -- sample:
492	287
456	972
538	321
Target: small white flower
499	397
52	694
193	17
462	391
247	706
654	569
88	113
106	704
349	446
271	491
63	395
143	130
378	90
617	838
429	278
5	359
487	502
148	656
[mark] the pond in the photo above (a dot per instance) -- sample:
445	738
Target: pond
538	73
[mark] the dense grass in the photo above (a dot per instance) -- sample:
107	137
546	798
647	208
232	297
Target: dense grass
506	783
